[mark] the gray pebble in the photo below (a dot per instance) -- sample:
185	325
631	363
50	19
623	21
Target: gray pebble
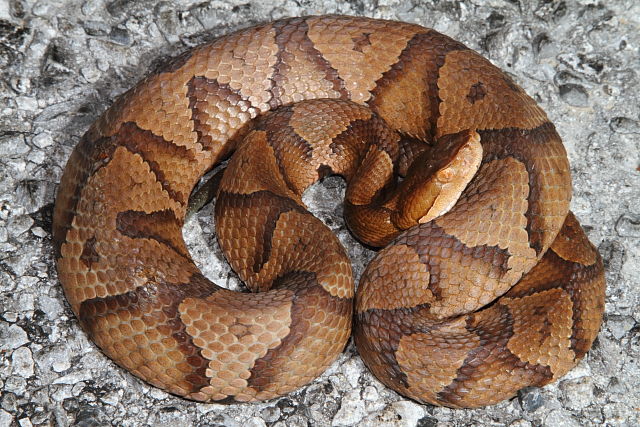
530	398
560	418
22	362
578	394
12	336
351	411
5	418
628	225
574	95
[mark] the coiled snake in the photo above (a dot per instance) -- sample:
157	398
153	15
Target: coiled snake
487	283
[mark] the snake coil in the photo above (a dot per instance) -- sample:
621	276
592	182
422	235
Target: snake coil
486	283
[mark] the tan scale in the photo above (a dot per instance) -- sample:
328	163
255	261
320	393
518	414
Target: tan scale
504	105
424	379
408	287
299	71
551	310
233	333
359	64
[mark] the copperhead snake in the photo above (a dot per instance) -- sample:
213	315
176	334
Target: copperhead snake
486	283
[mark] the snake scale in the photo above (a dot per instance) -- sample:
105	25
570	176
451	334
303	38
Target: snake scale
486	283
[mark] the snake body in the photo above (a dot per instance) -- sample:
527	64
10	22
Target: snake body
486	284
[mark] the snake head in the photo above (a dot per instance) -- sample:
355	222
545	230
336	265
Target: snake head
437	178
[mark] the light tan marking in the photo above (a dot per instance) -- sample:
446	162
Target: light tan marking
409	289
258	169
575	246
321	133
425	378
360	69
541	330
504	105
493	215
234	331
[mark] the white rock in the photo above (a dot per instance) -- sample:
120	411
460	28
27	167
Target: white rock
50	306
36	157
270	414
90	7
91	74
157	394
38	231
5	14
78	388
25	422
13	145
26	301
578	393
62	393
581	370
57	358
5	418
22	362
560	418
42	140
352	370
620	325
255	422
112	398
61	365
73	377
19	224
10	316
16	384
520	423
12	336
409	411
370	393
351	411
27	103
